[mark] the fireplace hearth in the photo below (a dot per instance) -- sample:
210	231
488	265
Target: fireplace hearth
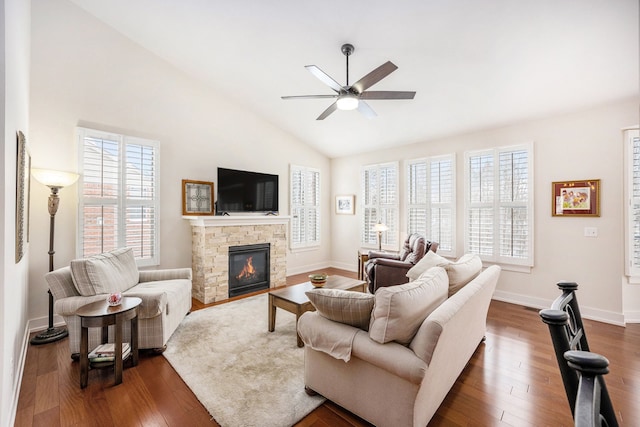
249	269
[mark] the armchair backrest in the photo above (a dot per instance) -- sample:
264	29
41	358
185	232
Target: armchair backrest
414	248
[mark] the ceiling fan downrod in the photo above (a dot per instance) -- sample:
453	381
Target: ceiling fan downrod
347	49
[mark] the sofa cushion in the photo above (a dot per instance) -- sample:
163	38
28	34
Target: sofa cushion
114	271
348	307
463	271
430	259
399	310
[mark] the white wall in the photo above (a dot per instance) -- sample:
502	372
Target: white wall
84	73
14	116
577	146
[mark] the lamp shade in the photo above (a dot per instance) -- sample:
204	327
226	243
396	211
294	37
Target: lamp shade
347	102
53	178
380	227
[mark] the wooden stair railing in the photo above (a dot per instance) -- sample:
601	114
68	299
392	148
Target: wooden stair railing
580	369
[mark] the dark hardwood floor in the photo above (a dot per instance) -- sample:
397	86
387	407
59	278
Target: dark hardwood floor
512	379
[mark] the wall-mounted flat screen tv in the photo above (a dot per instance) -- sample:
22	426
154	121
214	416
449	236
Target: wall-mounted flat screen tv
245	191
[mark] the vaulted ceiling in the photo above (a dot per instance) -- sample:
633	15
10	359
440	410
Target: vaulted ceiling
474	64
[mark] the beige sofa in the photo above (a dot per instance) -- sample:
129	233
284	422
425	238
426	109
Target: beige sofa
402	381
165	294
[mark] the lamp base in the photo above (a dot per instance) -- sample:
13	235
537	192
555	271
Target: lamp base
50	335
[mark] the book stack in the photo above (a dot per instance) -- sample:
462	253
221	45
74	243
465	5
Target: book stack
106	352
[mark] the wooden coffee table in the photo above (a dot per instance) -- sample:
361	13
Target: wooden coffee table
294	300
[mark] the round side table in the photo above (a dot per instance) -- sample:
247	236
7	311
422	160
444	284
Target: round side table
100	314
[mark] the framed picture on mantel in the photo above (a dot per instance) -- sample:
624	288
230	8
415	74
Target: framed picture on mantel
197	197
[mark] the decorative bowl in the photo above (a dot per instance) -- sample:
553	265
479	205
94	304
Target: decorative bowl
114	299
318	280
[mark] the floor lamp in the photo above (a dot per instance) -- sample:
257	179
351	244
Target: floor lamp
55	180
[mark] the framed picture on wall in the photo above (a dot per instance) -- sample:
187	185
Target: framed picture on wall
23	171
197	197
345	205
575	198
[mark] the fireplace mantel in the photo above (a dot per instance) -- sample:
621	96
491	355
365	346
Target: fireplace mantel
233	220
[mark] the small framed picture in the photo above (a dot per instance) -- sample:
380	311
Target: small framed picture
197	197
345	205
575	198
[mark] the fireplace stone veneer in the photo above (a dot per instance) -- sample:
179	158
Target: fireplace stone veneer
210	241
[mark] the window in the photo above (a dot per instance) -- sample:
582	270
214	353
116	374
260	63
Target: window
305	207
119	195
499	204
632	214
380	203
431	201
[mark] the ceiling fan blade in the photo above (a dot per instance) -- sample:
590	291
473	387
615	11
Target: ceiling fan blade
387	94
324	78
374	77
333	107
366	110
309	96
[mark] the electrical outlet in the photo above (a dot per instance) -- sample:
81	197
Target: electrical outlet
590	232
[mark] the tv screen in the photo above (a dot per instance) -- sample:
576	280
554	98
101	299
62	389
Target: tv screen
244	191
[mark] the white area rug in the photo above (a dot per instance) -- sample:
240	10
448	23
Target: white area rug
242	373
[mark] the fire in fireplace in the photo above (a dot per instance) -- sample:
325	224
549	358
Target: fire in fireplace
248	268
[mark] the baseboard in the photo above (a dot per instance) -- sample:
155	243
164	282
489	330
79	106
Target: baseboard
319	266
632	316
18	380
42	323
540	303
307	268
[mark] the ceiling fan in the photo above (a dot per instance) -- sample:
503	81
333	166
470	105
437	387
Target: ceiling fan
350	97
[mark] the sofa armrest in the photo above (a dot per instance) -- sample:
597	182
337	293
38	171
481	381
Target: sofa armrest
165	274
61	283
68	306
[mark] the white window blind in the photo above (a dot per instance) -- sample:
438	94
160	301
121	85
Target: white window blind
632	189
305	207
431	201
119	195
380	203
499	205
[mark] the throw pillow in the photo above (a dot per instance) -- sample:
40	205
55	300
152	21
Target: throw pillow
463	271
348	307
430	259
400	310
114	271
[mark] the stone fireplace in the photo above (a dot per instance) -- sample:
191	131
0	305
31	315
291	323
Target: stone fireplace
211	238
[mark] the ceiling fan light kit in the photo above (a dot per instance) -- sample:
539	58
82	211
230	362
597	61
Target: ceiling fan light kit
347	102
351	97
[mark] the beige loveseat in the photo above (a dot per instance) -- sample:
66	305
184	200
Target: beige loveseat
165	294
395	369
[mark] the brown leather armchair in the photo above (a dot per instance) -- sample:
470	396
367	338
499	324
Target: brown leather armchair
387	269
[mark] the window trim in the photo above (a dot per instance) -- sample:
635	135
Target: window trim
428	205
121	200
632	272
519	264
307	244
